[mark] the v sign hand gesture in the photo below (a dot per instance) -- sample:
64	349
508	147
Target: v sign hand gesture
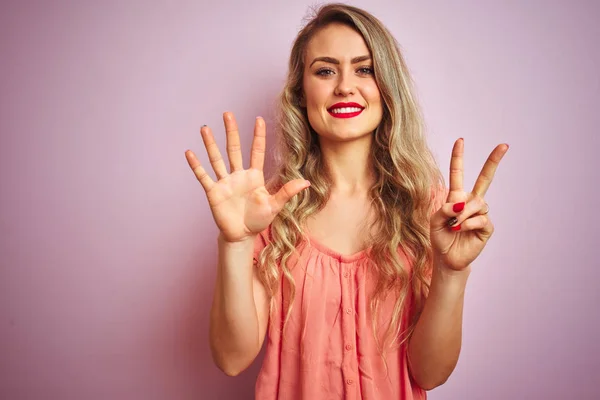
241	205
460	229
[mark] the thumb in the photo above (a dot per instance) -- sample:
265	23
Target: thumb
287	191
441	218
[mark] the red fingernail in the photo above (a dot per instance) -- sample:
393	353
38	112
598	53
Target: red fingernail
458	207
456	228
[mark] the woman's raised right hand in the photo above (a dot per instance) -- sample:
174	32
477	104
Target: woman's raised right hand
240	204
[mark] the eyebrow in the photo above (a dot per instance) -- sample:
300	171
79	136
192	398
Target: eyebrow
332	60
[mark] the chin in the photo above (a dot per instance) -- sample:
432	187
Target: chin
346	135
343	129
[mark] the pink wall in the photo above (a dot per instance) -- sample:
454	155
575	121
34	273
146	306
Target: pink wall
107	251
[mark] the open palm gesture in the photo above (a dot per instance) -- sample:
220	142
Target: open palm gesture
460	229
240	204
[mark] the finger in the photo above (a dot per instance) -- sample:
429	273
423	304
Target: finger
484	209
204	179
480	223
257	155
214	155
453	214
489	169
447	215
234	149
456	166
475	206
288	191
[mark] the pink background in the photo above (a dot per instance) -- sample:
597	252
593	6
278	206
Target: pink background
107	250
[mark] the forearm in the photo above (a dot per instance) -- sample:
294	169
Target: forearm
234	332
436	341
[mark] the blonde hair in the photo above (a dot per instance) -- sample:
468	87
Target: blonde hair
404	168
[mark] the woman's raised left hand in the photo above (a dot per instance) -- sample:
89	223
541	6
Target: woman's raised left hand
461	228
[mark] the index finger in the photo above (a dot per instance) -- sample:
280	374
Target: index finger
456	166
489	169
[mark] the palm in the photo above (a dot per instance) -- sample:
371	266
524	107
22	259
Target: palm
240	203
458	249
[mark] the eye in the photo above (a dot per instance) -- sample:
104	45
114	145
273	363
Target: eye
366	70
325	72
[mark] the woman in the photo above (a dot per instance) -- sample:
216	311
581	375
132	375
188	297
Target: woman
353	262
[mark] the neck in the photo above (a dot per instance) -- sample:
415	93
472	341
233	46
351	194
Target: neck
349	165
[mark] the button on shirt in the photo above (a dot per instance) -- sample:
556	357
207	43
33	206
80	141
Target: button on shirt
328	350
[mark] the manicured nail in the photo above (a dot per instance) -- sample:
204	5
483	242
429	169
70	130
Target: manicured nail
458	207
456	228
452	221
308	183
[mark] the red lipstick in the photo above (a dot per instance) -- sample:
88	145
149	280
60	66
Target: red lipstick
345	110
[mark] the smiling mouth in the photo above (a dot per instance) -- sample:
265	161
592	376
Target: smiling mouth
345	112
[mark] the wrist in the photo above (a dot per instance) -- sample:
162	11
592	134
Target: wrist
236	245
446	274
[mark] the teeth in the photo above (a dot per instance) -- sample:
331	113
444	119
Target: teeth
345	110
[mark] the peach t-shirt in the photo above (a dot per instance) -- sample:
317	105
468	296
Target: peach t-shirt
328	350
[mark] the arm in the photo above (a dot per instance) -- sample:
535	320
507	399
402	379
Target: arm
239	313
436	341
459	231
242	208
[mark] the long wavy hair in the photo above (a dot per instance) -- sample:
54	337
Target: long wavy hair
405	174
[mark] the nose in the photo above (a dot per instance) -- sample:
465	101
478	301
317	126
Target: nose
345	85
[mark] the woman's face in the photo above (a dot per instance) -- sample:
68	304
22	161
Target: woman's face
340	93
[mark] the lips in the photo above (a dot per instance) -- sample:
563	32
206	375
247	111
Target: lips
345	110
